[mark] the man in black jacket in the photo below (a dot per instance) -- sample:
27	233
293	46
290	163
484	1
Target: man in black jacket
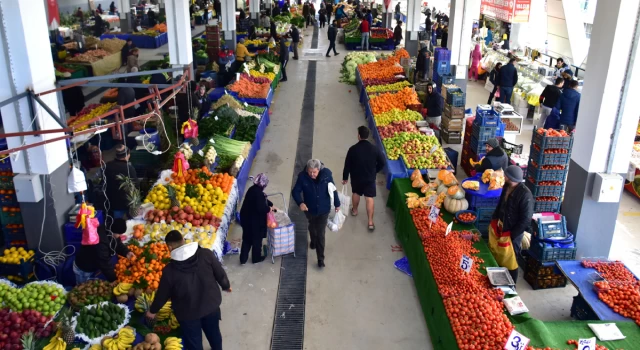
508	79
511	218
284	58
494	78
190	280
434	104
329	11
423	63
397	34
549	99
495	159
295	40
332	34
363	162
217	7
119	166
93	258
126	49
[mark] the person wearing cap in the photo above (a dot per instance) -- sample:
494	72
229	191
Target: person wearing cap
117	197
510	219
495	159
192	281
91	259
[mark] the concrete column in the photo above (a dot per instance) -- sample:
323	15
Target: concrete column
609	87
254	9
124	7
228	16
23	34
412	26
461	17
179	31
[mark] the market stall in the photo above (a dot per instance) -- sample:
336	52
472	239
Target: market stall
149	39
380	38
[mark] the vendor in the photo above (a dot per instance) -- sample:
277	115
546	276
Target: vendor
79	14
97	257
202	100
434	104
495	159
126	50
510	219
98	27
241	54
560	67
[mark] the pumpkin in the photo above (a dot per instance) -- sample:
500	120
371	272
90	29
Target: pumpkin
442	189
415	174
453	205
459	193
442	173
438	182
452	190
450	180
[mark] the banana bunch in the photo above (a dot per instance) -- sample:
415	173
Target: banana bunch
165	312
96	347
143	302
122	288
125	338
56	343
173	322
173	343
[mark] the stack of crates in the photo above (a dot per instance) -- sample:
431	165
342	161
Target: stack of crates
485	125
442	66
10	215
550	241
452	115
214	41
547	170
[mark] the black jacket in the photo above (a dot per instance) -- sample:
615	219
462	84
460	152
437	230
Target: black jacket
190	280
329	9
91	258
217	6
421	63
428	24
496	159
445	38
127	95
397	33
508	75
295	35
363	162
550	96
203	103
332	33
284	51
434	104
516	213
494	77
124	53
117	197
272	30
253	214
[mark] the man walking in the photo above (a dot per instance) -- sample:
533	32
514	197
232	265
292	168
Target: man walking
569	103
329	12
508	79
295	40
190	280
550	99
306	13
363	162
284	58
333	34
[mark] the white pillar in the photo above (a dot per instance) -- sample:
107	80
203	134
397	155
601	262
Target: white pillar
179	31
461	17
605	83
24	65
254	8
228	17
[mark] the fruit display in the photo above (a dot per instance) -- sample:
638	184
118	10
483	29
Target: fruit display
112	45
186	215
381	33
87	113
510	126
384	68
471	185
548	167
27	325
394	115
90	292
124	339
552	150
122	291
547	199
151	342
405	143
395	127
495	179
552	132
144	301
173	343
16	256
89	56
145	270
387	101
93	322
467	217
44	297
388	87
351	62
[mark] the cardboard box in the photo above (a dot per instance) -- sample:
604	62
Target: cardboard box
453	112
452	124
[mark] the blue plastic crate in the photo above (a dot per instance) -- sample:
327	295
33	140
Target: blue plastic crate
477	202
442	54
73	234
442	67
550	252
483	133
483	227
5	164
538	174
487	120
8	199
23	270
482	113
547	142
546	207
549	228
485	214
501	127
7	217
444	79
542	158
476	146
544	191
13	233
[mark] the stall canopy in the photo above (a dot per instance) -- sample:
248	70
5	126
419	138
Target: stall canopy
54	14
515	11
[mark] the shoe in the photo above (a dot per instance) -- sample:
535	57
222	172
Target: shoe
259	261
336	54
321	263
281	80
328	55
295	58
312	245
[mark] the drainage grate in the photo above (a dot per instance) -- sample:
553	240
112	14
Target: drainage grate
288	323
314	40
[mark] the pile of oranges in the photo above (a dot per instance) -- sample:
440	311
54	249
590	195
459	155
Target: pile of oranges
203	176
145	270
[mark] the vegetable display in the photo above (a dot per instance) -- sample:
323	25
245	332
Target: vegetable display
221	122
246	129
100	319
229	150
246	88
351	62
384	68
89	56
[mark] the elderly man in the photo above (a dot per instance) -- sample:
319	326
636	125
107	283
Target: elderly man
496	158
311	193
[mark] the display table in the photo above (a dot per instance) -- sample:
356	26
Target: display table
551	334
140	41
105	66
245	169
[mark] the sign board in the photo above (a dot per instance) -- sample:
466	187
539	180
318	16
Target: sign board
466	263
449	227
587	344
512	11
516	341
54	14
433	214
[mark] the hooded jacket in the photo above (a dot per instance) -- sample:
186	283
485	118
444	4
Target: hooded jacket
569	103
91	258
315	193
496	159
192	281
434	104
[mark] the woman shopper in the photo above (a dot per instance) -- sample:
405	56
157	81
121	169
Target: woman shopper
494	78
311	193
476	56
253	218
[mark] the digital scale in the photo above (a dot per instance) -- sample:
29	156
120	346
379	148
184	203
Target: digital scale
504	109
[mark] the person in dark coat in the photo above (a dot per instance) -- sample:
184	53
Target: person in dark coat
508	79
91	259
495	159
112	8
126	50
98	27
253	218
151	18
73	99
445	36
323	17
550	99
397	33
295	40
494	78
427	24
217	7
362	163
285	7
275	11
252	31
434	104
513	214
127	95
329	8
423	62
138	92
99	9
192	281
119	166
242	15
311	194
272	30
284	58
306	13
332	34
569	103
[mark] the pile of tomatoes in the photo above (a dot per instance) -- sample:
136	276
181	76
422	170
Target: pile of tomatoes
552	150
549	167
547	199
549	183
467	217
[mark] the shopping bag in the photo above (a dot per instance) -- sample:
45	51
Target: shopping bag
90	232
497	94
335	223
190	129
345	201
271	220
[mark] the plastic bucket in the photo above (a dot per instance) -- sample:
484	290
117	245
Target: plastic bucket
151	136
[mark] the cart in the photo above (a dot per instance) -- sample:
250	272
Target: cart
282	239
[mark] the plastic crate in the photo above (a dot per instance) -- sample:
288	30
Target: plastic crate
10	217
538	174
483	133
442	67
445	79
13	233
501	128
487	120
580	310
476	202
442	54
456	99
8	198
483	227
542	158
542	252
546	142
546	282
475	146
539	268
485	214
548	207
22	270
5	164
544	191
554	226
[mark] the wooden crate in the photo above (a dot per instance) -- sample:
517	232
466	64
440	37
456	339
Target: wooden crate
453	112
452	124
451	137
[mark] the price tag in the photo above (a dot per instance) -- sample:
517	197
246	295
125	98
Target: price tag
433	214
212	141
201	153
466	263
432	200
446	233
215	118
516	341
237	76
246	104
225	92
587	344
433	149
246	69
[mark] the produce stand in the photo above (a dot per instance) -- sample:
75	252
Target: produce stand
255	101
141	41
243	174
542	334
104	66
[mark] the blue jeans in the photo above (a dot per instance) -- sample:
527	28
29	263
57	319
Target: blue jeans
191	332
81	276
365	40
505	94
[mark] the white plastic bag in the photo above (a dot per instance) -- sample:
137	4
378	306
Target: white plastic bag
335	223
345	201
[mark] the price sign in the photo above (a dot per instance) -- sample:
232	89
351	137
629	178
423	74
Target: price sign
212	141
246	104
449	227
215	118
237	76
466	263
225	92
516	341
201	153
433	214
587	344
433	149
432	200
